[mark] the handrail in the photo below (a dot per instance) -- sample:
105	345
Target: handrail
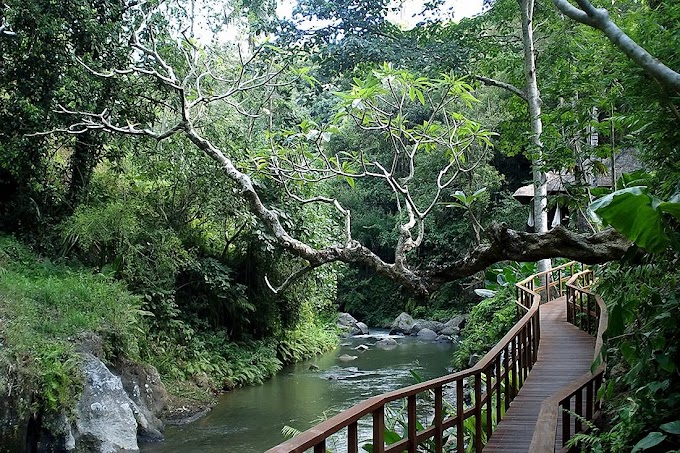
496	380
586	317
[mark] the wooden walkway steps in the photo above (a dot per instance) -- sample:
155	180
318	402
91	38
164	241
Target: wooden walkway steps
565	354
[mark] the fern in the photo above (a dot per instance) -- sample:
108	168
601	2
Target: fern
289	432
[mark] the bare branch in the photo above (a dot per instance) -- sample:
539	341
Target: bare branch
506	86
289	280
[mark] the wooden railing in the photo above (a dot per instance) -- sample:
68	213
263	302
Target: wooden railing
579	401
491	385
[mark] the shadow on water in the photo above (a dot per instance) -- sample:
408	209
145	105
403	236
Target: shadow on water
250	419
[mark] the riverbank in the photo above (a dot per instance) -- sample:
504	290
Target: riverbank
75	342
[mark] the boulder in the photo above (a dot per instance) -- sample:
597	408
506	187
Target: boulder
143	385
427	334
386	343
361	347
363	328
421	324
450	331
313	367
402	324
444	339
346	320
347	358
105	418
456	321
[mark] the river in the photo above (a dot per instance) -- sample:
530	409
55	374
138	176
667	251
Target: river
249	420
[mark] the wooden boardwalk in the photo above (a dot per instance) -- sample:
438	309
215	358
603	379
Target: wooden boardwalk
565	354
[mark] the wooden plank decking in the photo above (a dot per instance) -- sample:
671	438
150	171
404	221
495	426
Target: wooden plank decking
565	354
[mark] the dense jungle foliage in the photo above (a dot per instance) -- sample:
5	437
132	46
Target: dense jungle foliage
149	245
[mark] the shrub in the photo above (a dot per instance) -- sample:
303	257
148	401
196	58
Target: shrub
487	323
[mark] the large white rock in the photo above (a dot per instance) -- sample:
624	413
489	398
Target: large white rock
402	324
105	415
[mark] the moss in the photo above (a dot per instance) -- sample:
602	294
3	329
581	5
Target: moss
45	308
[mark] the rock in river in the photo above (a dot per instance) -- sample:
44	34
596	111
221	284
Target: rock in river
386	343
427	334
402	324
347	358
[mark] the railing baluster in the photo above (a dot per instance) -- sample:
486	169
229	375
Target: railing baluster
598	384
529	347
412	425
499	398
353	438
438	418
525	351
514	367
478	412
506	379
589	401
379	430
587	313
520	361
320	447
578	410
460	396
566	421
489	403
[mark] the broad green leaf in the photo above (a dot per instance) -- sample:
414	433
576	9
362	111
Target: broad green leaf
666	362
651	440
633	213
391	437
672	427
485	293
671	208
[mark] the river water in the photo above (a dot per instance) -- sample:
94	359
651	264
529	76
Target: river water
249	420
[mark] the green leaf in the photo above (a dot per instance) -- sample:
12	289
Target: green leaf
672	427
391	437
651	440
634	213
666	362
671	208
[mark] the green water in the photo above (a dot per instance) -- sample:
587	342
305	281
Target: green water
250	419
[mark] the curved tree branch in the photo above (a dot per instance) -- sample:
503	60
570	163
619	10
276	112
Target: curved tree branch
506	86
510	245
599	18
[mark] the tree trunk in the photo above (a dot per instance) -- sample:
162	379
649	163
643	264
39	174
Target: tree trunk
82	162
540	204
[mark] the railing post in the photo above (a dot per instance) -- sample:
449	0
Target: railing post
499	398
566	422
506	379
412	425
478	412
353	438
489	402
589	401
460	436
514	367
379	430
438	417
